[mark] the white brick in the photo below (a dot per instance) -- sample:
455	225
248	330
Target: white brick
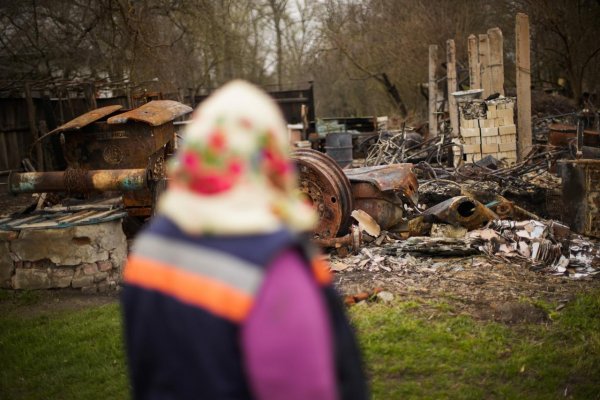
508	129
489	131
471	148
508	146
507	113
469	132
489	148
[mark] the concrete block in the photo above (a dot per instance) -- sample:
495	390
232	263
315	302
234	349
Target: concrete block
508	129
31	278
65	247
471	148
491	114
489	148
469	132
506	113
486	123
508	146
467	123
489	131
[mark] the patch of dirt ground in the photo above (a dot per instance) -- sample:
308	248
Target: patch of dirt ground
40	302
478	286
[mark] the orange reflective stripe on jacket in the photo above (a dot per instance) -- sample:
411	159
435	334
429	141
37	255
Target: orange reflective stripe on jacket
211	294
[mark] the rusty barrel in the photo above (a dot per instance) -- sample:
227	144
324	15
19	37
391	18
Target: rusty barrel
581	195
338	145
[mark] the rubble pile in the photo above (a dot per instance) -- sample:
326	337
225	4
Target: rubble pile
467	216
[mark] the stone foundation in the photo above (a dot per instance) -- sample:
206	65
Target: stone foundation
85	257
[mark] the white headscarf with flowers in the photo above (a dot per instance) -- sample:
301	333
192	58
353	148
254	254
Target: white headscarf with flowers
232	174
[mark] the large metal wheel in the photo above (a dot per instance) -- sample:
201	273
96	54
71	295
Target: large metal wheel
324	183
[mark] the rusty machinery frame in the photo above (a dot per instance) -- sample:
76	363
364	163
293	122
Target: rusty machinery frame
108	150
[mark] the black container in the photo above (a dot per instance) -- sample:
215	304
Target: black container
338	145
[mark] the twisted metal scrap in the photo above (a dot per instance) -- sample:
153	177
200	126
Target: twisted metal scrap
521	175
395	149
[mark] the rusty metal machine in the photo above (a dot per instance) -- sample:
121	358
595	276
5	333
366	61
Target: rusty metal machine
380	191
581	186
108	150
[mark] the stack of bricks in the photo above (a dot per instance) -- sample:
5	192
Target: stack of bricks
488	128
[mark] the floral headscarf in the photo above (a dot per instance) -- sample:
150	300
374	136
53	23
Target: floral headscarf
232	174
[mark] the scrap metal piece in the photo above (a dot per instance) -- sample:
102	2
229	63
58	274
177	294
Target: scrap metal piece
381	191
462	211
581	195
366	223
394	177
323	182
352	240
80	181
88	118
561	135
154	113
438	247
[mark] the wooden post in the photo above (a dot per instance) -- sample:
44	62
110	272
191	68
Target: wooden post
39	155
89	91
474	72
496	44
452	86
484	62
523	64
432	86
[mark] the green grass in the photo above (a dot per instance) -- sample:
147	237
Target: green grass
428	352
62	355
413	349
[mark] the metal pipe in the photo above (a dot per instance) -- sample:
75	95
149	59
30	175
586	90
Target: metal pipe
79	181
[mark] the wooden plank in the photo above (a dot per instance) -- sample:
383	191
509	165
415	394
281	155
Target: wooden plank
38	225
3	153
23	220
496	45
14	151
39	155
474	68
75	217
523	65
484	62
97	216
452	85
432	86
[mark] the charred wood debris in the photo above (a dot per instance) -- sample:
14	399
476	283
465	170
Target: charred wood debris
540	213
